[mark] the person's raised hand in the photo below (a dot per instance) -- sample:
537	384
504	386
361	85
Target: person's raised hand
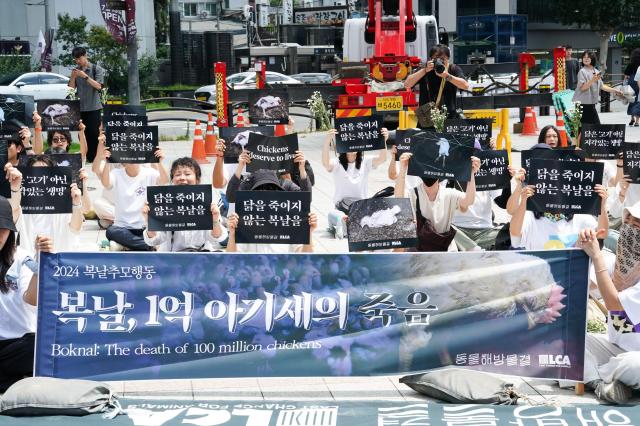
25	135
220	146
37	120
602	193
404	160
232	222
81	126
385	134
299	158
475	165
145	211
313	222
528	192
215	212
44	244
76	194
159	153
13	176
244	158
588	241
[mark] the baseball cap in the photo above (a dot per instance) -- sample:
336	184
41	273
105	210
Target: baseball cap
633	210
541	146
264	177
6	215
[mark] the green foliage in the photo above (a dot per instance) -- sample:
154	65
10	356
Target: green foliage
111	56
600	16
71	32
147	66
14	64
161	15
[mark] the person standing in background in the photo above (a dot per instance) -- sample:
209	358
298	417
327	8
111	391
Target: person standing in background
88	79
630	78
571	68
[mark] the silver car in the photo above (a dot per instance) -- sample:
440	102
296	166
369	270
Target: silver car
243	80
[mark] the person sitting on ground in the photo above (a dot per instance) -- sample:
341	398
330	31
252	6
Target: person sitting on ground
129	184
434	207
612	363
63	227
266	180
18	298
543	230
186	171
350	178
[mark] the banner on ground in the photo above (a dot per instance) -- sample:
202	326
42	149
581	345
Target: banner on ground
59	114
602	141
127	316
236	139
133	144
272	152
441	156
179	207
381	223
479	128
631	161
494	170
273	217
269	107
565	187
359	134
46	190
124	116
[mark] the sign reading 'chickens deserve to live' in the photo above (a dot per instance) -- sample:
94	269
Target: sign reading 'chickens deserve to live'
381	223
269	107
59	114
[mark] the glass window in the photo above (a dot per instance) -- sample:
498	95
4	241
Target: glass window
189	9
476	7
536	10
210	8
52	79
271	78
235	79
29	79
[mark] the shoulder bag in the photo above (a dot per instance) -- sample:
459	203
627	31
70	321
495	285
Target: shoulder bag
424	111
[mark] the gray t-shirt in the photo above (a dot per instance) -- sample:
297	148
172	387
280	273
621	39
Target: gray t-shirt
572	73
90	97
592	94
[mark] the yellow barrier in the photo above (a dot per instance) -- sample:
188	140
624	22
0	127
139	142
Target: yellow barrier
407	120
500	120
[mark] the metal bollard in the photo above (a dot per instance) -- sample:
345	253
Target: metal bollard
605	101
543	111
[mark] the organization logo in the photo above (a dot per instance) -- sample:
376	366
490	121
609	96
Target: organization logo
560	361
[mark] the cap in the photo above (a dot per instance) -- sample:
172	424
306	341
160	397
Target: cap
633	210
6	215
541	146
264	177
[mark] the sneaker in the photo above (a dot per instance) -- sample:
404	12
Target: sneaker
113	246
615	392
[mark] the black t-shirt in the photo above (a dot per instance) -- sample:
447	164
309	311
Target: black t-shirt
631	69
430	86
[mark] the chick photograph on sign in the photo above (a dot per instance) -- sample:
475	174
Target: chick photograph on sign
441	156
269	107
236	139
381	223
59	114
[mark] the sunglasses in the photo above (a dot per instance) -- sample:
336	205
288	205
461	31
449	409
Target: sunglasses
59	139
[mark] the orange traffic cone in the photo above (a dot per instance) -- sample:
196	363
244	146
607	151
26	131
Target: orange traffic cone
240	119
280	130
561	129
535	119
529	127
198	152
210	139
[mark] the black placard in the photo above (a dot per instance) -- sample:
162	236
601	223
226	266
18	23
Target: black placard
12	117
602	141
441	155
269	107
551	154
132	144
236	138
494	170
46	190
359	134
28	107
179	208
272	152
74	161
273	217
631	161
403	141
479	128
381	223
5	188
124	116
565	186
59	114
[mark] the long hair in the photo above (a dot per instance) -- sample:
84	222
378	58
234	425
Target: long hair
345	163
6	260
64	133
543	133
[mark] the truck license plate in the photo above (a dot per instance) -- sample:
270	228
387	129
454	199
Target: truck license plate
389	103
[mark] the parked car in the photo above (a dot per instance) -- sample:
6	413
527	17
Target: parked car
40	85
313	77
243	80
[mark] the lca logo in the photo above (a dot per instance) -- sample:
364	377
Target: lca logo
554	361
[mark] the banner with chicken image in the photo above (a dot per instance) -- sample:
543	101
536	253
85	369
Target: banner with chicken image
59	114
268	107
381	223
236	139
201	315
441	156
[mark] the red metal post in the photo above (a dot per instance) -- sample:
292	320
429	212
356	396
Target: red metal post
559	68
222	97
526	60
261	74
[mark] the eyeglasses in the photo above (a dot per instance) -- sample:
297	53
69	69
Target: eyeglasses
59	139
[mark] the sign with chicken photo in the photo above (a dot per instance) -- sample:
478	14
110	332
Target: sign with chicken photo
59	114
381	223
269	107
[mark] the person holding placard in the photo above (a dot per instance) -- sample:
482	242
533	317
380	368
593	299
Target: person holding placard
129	184
58	141
18	300
63	227
350	178
612	362
626	194
434	206
104	205
186	171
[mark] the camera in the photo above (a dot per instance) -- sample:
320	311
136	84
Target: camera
438	65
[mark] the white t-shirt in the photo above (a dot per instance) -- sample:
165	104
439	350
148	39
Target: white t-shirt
351	182
478	215
545	234
623	327
131	193
609	172
56	226
18	317
269	248
439	211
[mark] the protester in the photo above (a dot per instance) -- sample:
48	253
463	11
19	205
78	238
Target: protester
549	135
186	171
633	109
434	207
571	67
129	184
612	363
588	88
266	180
18	297
58	141
104	206
88	80
451	79
15	147
541	231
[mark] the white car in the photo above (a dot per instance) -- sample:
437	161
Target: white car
40	85
243	80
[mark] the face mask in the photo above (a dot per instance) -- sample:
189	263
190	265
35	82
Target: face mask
429	181
627	271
